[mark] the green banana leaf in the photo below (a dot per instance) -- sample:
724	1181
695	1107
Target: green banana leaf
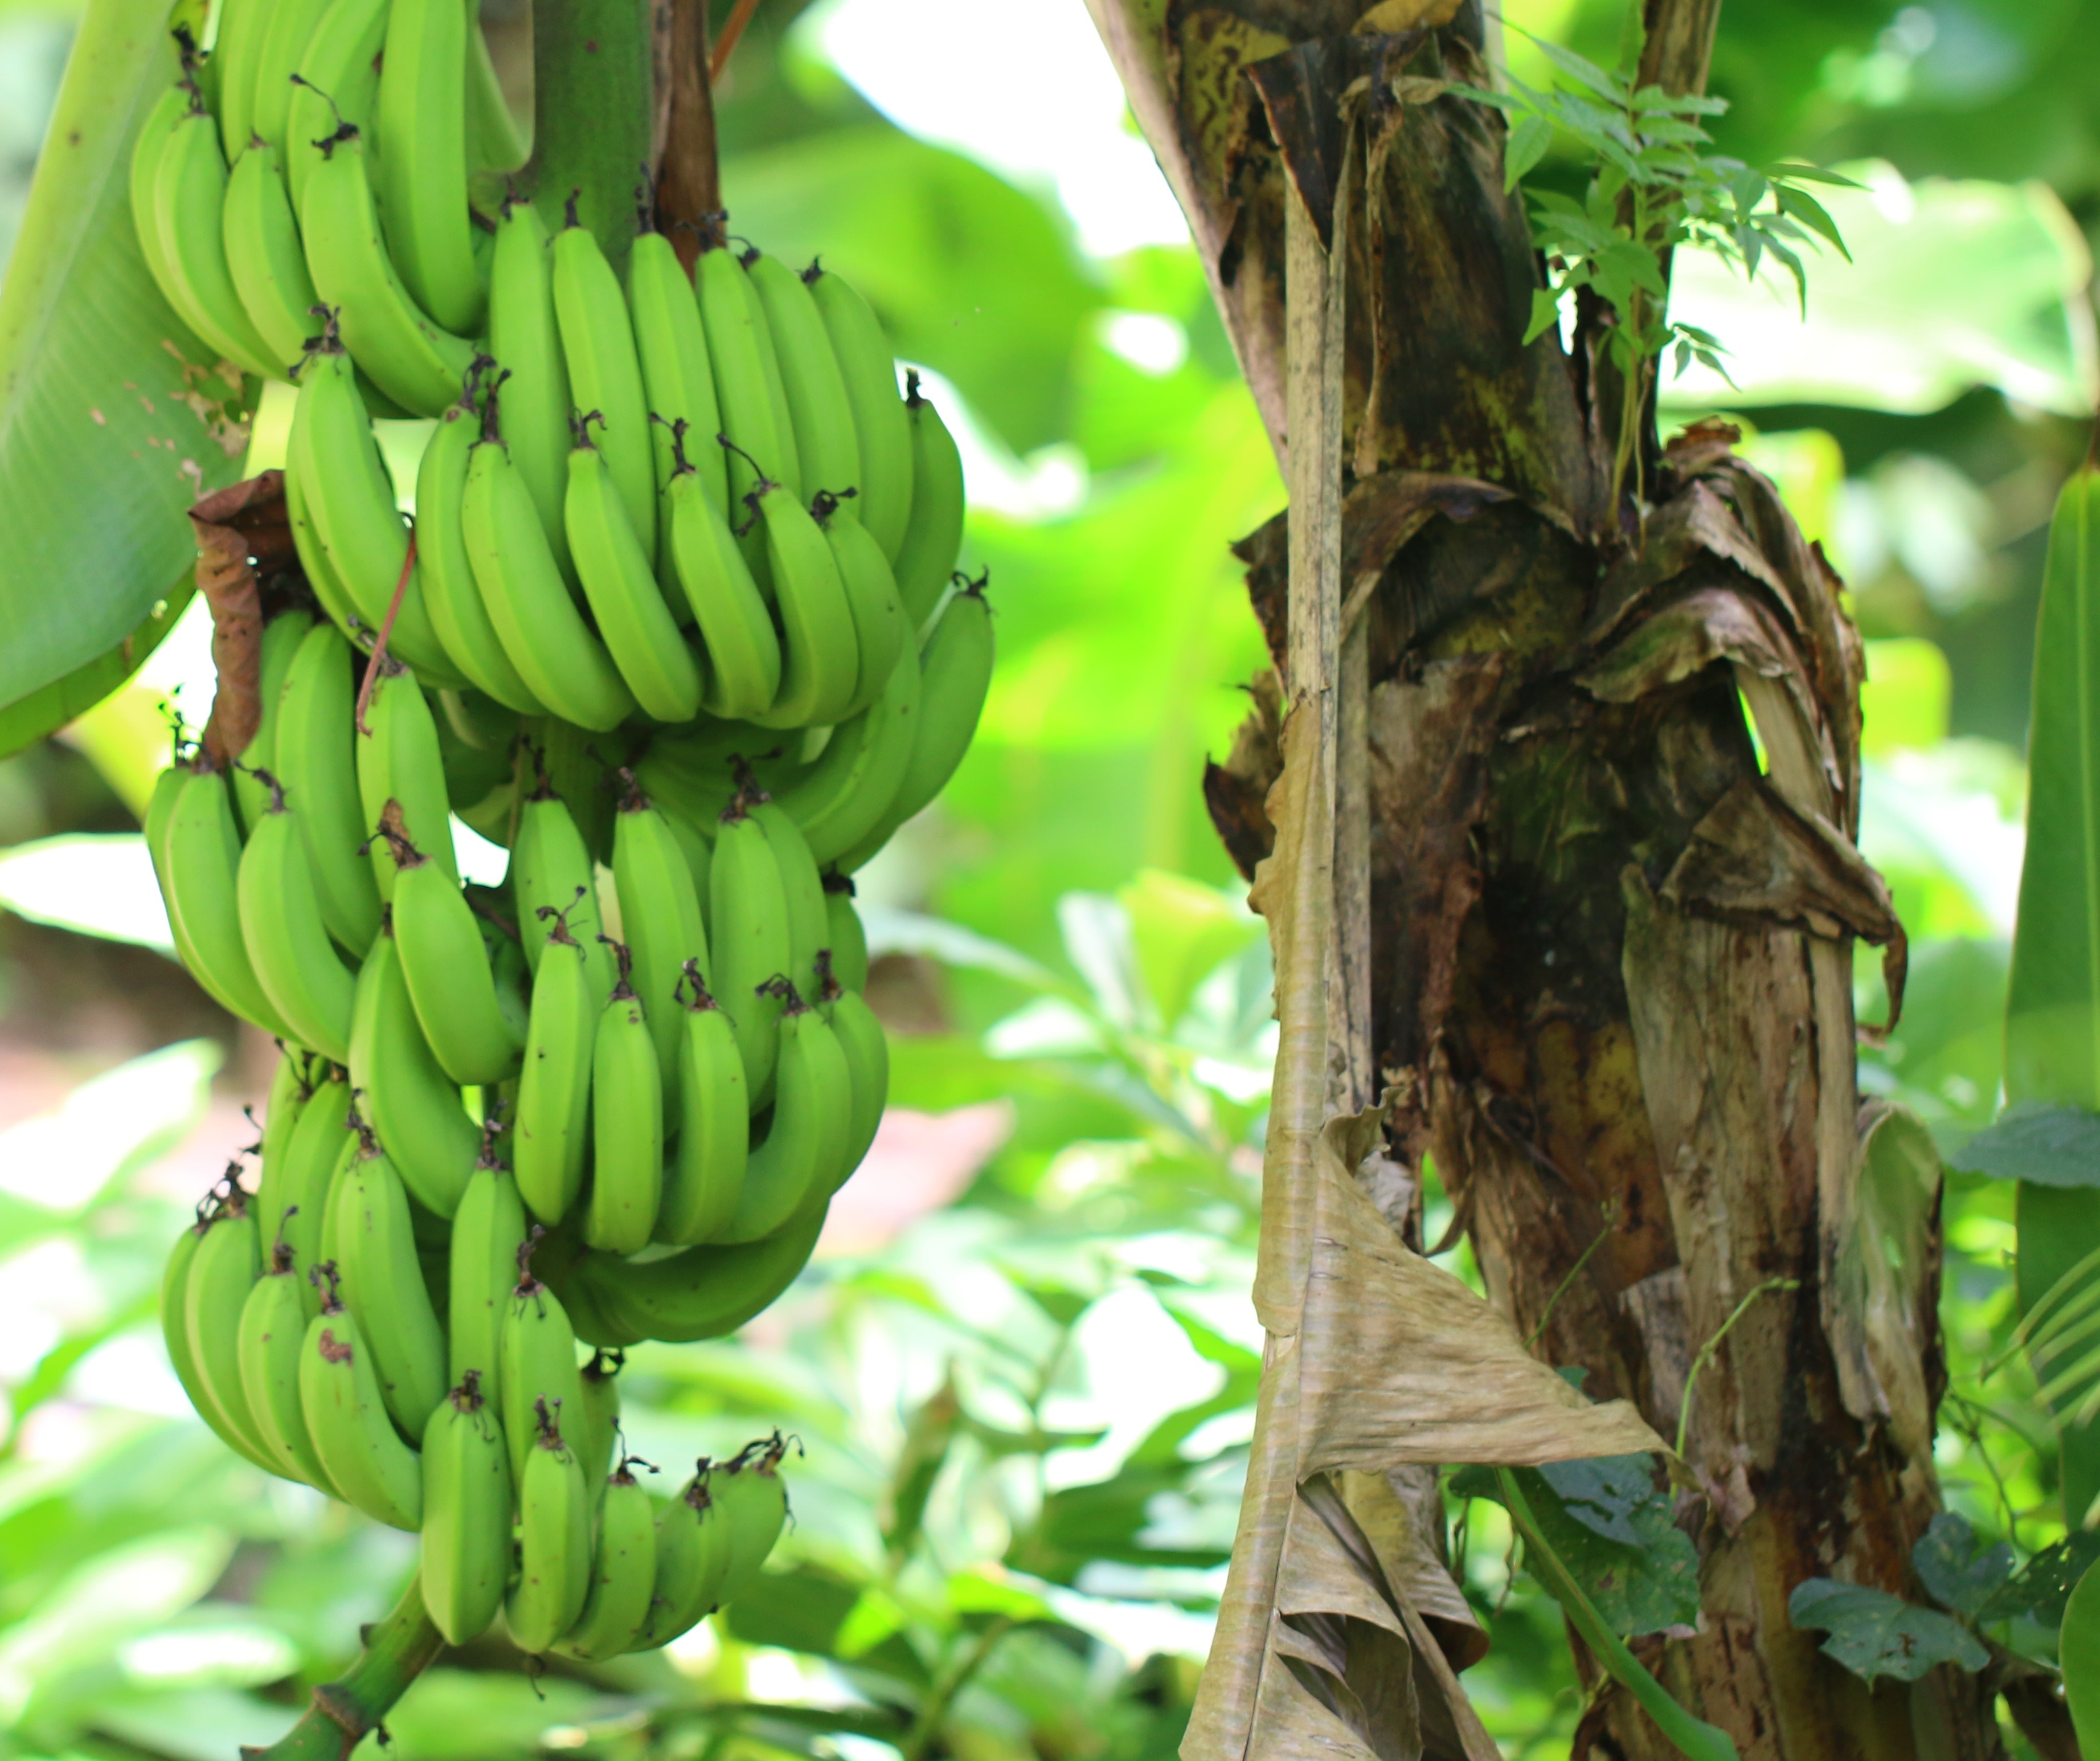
2078	1649
112	416
2051	1047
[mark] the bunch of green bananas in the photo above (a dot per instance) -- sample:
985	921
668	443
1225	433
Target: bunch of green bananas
676	622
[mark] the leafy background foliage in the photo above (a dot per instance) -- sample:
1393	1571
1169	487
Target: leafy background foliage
1024	1377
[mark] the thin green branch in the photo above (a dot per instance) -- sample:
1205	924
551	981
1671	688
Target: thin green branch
1609	1212
1714	1344
397	1649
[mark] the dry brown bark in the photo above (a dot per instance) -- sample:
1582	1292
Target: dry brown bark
1609	953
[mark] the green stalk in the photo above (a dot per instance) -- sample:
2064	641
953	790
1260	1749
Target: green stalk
1699	1742
397	1649
594	112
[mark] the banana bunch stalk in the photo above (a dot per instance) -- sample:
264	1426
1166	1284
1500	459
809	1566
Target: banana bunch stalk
676	620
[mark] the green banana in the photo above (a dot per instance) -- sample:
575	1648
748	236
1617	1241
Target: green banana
493	142
748	908
475	1026
202	849
880	425
880	629
703	1292
466	1513
802	1154
866	1050
737	352
282	47
845	794
188	203
346	493
337	82
808	924
933	536
623	1571
820	412
223	1270
282	637
525	337
554	1090
458	616
235	53
551	871
174	1329
348	1151
693	1553
487	1232
383	1285
410	357
676	373
821	664
659	911
627	1124
422	175
555	652
595	1430
554	1551
362	1454
736	629
337	606
752	1500
273	1328
292	1207
287	941
619	582
413	1107
954	664
155	133
399	758
538	1349
704	1179
776	384
265	258
314	759
605	373
291	1087
694	781
848	940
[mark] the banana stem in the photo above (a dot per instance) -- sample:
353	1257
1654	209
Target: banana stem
594	109
397	1649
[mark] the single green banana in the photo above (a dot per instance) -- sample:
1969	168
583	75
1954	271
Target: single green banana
411	357
704	1179
819	411
314	760
282	637
155	135
400	758
475	1027
605	373
848	940
843	795
743	648
693	1553
752	1500
189	204
291	1086
363	1456
866	1050
292	1207
803	1153
227	1261
525	337
337	606
273	1328
808	924
703	1292
549	1146
345	492
954	664
821	665
677	379
287	939
776	383
551	869
266	259
623	1571
466	1513
595	1432
457	614
555	652
236	53
174	1329
200	881
538	1348
554	1551
413	1106
493	142
352	1147
933	536
487	1232
382	1284
619	582
659	912
748	908
880	628
282	46
627	1125
337	82
879	424
737	350
422	180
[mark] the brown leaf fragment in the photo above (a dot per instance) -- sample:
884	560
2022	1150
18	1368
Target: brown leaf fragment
1237	792
1700	446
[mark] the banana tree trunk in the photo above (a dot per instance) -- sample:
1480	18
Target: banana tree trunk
1594	948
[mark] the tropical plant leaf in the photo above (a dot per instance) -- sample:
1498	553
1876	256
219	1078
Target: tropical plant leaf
113	417
2033	1141
1960	1569
51	707
2039	1590
1874	1634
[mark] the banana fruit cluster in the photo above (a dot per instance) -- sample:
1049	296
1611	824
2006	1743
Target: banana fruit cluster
677	621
